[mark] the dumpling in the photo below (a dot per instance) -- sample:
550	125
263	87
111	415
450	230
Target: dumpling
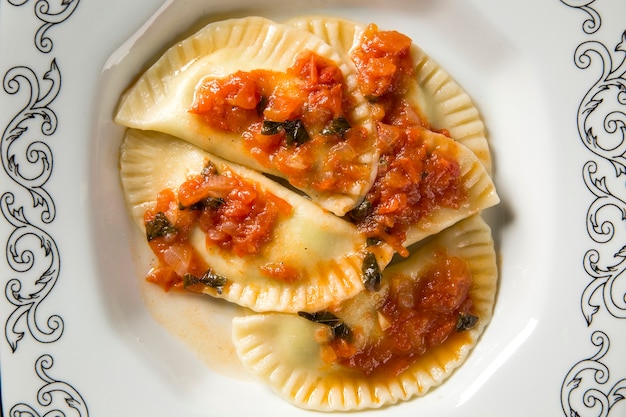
281	166
432	171
267	96
230	232
440	101
385	346
448	107
426	183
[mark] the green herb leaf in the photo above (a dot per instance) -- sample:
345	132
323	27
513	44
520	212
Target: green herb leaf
209	279
338	126
260	108
339	328
372	275
271	128
159	226
361	211
295	132
465	322
211	203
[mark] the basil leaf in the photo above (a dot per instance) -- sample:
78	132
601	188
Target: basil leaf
338	126
159	226
260	108
296	133
209	279
361	211
465	322
211	203
271	128
339	328
372	275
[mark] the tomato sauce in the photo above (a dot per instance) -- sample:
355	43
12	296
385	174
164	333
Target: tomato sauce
383	61
420	315
289	121
413	180
233	213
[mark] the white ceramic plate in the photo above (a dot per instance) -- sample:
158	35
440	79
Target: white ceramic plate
549	79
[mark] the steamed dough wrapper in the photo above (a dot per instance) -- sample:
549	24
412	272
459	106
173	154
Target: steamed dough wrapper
311	258
288	352
291	107
441	101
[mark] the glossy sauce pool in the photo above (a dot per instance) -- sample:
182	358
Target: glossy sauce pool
201	323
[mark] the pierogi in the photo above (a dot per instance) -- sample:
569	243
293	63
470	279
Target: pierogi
274	61
329	177
441	100
388	356
309	260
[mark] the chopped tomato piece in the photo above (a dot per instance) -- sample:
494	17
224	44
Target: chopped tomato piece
315	70
382	59
229	103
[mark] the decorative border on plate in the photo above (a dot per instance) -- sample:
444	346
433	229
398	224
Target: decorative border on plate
589	388
49	18
594	21
51	393
36	278
29	209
